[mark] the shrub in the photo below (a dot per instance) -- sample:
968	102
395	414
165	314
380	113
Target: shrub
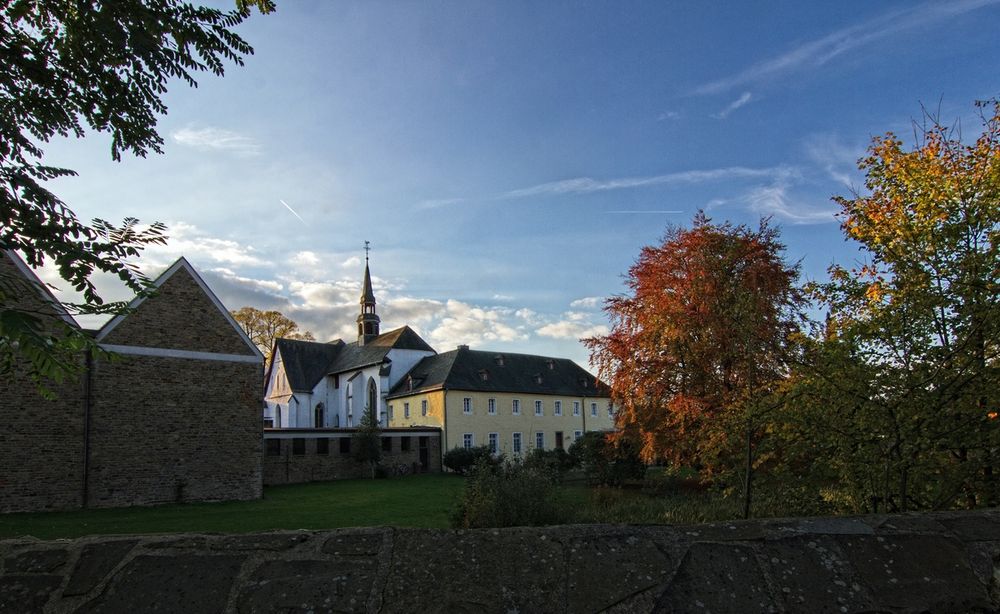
508	494
606	461
553	463
462	460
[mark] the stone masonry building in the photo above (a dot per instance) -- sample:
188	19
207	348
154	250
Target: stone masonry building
174	416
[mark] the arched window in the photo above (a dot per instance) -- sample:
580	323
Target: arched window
372	405
277	416
319	416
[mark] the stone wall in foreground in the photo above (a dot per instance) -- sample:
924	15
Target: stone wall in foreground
945	562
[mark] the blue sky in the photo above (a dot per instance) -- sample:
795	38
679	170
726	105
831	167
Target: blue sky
508	161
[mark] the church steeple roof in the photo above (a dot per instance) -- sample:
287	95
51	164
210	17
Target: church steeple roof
367	294
368	321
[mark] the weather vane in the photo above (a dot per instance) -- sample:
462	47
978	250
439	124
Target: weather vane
367	249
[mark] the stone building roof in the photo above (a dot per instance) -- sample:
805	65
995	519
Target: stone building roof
306	362
481	371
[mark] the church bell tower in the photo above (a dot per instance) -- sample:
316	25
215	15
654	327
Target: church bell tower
368	320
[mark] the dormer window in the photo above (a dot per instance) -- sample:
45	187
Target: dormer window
484	375
538	378
409	382
551	364
498	359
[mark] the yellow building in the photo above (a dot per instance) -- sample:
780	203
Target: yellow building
513	403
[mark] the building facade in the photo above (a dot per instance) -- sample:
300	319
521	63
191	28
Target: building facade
513	403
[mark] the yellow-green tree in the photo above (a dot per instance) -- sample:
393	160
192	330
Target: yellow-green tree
266	327
906	381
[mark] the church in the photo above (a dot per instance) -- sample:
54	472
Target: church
404	383
328	385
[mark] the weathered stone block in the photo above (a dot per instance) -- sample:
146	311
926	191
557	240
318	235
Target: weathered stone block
308	586
96	561
915	573
21	594
717	578
36	561
189	583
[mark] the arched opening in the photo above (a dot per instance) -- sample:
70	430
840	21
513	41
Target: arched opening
277	416
319	416
372	405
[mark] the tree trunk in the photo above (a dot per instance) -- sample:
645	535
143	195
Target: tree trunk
748	477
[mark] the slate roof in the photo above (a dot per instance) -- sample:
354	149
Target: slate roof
404	338
306	362
464	369
367	294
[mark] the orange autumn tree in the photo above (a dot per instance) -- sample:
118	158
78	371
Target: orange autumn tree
699	342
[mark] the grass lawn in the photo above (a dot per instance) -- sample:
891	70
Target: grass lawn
413	501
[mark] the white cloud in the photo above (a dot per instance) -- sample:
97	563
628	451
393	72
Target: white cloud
191	242
306	258
322	294
584	185
436	203
264	285
217	139
351	262
774	200
739	102
588	302
572	329
411	311
838	161
671	115
468	324
502	297
529	316
820	51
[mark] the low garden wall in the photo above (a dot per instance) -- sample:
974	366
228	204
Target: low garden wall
943	562
293	456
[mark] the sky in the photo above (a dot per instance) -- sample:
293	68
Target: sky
508	160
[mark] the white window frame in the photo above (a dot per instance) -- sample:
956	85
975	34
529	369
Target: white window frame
515	407
539	408
391	412
557	407
468	440
491	407
516	443
593	410
576	408
467	405
493	441
540	440
577	435
423	407
611	410
406	409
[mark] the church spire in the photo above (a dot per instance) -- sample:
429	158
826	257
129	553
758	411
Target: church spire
368	321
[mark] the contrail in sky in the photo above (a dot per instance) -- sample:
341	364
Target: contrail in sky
292	210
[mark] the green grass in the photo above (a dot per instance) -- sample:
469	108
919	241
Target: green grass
414	501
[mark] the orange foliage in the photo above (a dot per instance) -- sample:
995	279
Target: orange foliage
703	330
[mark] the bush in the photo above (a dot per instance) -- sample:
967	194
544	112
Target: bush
462	460
508	494
553	463
607	462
